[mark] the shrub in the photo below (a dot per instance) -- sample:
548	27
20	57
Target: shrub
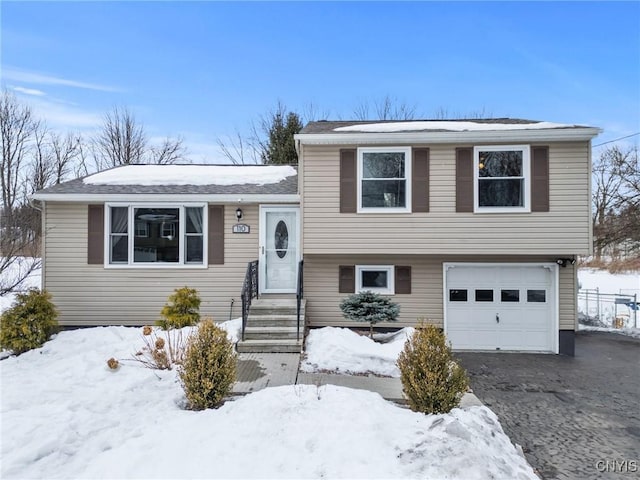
181	310
161	353
209	367
29	323
369	307
431	380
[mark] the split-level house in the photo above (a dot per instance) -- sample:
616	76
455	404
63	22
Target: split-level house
471	225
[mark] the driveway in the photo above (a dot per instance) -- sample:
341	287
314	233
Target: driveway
575	417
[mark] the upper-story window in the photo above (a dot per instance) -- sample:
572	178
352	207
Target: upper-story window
156	235
384	179
502	178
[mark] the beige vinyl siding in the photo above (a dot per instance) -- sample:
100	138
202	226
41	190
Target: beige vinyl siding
564	230
426	299
94	295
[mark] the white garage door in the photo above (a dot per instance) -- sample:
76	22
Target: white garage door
501	307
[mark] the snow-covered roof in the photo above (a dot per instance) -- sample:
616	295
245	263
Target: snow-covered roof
444	131
192	175
189	182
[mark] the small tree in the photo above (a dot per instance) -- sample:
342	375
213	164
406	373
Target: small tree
181	310
431	380
369	307
208	370
29	323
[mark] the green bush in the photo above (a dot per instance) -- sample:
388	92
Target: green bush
208	369
181	310
29	323
431	380
369	307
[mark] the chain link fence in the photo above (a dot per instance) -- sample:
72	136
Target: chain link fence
609	310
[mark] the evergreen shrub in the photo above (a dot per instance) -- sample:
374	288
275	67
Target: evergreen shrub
181	310
208	370
369	307
29	322
431	380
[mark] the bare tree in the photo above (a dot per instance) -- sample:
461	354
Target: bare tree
65	150
387	108
238	149
17	127
18	245
121	141
171	150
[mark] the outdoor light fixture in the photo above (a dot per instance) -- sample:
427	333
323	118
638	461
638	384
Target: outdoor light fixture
239	213
563	261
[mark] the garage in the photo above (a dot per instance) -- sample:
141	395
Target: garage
508	307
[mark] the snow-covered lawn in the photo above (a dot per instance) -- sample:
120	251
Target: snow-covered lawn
66	415
629	332
341	350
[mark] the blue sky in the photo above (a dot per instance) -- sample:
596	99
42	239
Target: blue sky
206	69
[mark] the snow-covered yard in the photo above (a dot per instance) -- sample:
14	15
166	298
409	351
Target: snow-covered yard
341	350
66	415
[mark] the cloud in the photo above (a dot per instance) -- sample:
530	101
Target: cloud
28	91
17	75
64	117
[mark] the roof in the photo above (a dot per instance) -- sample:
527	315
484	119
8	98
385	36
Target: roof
482	124
441	131
187	181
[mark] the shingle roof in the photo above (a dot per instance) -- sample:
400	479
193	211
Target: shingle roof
330	126
287	186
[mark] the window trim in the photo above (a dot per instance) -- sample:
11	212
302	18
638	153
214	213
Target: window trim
390	269
407	178
526	170
131	206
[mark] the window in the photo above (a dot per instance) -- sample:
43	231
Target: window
484	295
162	235
510	296
536	296
502	179
457	295
384	179
376	278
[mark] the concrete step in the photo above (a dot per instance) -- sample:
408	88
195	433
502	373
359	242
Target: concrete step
254	320
280	306
269	346
273	333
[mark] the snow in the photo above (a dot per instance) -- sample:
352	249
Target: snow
66	415
629	332
191	175
344	351
453	126
34	280
625	283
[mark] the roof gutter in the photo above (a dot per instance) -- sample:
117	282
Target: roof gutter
168	198
482	136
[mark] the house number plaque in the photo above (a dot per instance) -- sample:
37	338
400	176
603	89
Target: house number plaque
241	228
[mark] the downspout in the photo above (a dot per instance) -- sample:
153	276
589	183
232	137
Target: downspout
42	210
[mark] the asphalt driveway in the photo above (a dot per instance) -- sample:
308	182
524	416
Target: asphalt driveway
575	417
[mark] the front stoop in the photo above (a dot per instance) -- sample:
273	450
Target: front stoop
272	327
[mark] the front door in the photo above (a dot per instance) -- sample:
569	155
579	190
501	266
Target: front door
279	249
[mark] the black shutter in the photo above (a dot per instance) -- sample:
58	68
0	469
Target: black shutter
216	235
347	279
464	180
420	180
539	179
403	280
95	236
348	179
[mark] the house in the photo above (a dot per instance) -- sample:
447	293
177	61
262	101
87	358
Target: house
471	225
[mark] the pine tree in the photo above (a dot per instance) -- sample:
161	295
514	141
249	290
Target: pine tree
369	307
281	148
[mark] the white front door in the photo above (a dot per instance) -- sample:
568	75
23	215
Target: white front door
279	249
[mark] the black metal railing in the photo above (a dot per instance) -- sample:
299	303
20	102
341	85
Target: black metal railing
249	291
300	291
